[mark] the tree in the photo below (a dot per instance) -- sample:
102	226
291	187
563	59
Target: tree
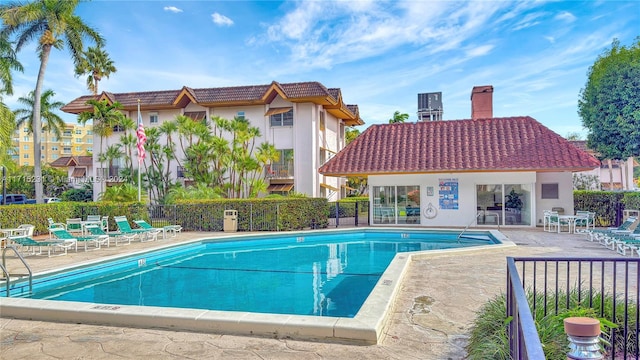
609	104
573	136
55	25
53	122
104	116
97	64
360	184
398	118
8	62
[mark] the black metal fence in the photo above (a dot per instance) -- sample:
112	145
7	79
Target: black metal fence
608	285
353	213
256	218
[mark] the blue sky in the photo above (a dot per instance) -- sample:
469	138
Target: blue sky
380	53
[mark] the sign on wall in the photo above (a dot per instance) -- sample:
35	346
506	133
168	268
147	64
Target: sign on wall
448	194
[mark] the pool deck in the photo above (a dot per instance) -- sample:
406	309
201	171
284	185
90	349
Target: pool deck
431	318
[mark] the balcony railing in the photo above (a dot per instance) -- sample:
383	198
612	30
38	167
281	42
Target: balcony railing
279	171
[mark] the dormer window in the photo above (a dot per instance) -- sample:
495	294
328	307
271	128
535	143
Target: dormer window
281	116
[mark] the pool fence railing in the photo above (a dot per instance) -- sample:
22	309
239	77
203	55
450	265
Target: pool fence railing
556	285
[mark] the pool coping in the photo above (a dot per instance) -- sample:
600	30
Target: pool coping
367	327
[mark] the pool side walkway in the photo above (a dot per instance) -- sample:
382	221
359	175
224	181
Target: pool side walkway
431	319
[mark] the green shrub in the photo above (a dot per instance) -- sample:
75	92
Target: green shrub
266	214
603	203
489	339
347	207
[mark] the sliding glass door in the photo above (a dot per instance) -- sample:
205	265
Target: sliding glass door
503	204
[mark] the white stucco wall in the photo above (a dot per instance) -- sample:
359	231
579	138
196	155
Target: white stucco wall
467	209
565	193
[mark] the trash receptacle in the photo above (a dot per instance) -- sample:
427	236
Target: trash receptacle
230	221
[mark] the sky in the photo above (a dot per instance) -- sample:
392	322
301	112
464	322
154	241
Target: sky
381	54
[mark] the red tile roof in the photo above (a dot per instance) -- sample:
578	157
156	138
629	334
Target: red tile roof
495	144
66	161
228	96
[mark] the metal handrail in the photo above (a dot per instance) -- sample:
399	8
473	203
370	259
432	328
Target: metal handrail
8	275
467	227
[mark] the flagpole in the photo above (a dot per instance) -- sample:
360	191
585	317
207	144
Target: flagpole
139	161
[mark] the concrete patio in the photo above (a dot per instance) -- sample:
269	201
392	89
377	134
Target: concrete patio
431	318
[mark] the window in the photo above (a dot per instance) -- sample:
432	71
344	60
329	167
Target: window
54	139
240	115
153	118
54	156
322	120
78	132
25	156
396	204
89	150
78	148
90	141
89	132
54	148
180	171
26	129
283	119
25	147
66	133
26	138
550	191
78	140
66	150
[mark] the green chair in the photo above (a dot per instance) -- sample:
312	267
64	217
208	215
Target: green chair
116	236
125	228
51	245
167	228
63	234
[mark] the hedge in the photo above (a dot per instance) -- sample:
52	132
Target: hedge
268	214
605	203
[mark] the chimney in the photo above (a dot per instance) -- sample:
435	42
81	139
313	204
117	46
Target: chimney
482	102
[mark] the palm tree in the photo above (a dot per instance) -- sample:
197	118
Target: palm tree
97	64
104	117
8	62
53	122
398	118
54	24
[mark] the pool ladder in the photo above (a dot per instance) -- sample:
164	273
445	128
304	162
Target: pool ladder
3	266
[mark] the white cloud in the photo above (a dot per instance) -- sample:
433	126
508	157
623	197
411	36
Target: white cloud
173	9
479	50
565	16
323	34
550	39
531	19
221	20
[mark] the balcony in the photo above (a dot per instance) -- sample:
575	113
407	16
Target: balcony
279	171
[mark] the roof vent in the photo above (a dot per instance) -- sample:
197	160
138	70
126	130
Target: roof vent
430	106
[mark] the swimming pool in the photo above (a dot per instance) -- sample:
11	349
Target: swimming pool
314	280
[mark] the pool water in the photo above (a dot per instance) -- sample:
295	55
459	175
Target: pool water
315	274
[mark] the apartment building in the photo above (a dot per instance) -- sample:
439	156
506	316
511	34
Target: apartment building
305	121
74	140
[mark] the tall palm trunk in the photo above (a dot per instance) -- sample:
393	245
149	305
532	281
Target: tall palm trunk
610	163
37	142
